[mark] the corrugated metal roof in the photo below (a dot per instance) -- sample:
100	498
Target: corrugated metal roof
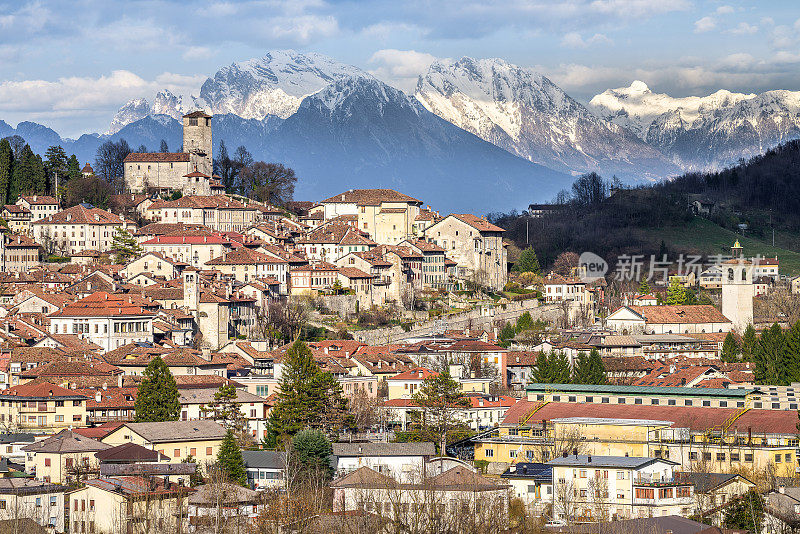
640	390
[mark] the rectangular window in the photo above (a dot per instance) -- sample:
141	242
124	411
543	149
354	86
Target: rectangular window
489	453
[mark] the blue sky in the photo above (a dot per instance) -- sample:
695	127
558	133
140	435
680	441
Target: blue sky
71	65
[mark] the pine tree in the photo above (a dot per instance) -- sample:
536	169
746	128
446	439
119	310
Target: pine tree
768	356
581	371
749	342
312	451
73	168
229	459
791	356
506	335
541	372
22	174
524	322
730	349
6	167
560	368
226	411
126	246
676	293
308	397
644	287
440	397
164	147
597	370
157	398
56	162
527	262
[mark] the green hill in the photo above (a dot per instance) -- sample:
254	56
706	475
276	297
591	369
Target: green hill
704	237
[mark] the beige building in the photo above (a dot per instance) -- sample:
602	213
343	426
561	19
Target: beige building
176	440
191	248
476	246
41	407
63	458
76	229
386	215
188	171
110	505
40	206
218	212
20	254
41	502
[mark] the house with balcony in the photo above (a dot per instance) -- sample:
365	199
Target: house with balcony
590	488
63	458
41	408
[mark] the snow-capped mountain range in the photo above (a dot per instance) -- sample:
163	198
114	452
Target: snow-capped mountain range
470	125
703	132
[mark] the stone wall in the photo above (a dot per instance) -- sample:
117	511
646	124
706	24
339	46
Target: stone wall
481	317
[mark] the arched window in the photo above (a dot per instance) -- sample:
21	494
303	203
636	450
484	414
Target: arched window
730	274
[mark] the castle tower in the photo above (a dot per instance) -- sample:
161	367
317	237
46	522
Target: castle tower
191	290
197	141
738	290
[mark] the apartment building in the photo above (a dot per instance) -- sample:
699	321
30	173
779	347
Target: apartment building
41	407
385	214
76	229
218	212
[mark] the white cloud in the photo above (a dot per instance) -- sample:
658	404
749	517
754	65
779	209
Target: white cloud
198	52
303	28
725	10
400	68
574	40
743	29
636	8
705	24
74	95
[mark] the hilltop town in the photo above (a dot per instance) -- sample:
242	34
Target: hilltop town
194	360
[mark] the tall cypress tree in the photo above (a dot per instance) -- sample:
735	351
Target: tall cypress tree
157	398
39	178
730	348
230	459
581	372
560	368
73	168
749	342
791	354
6	167
597	370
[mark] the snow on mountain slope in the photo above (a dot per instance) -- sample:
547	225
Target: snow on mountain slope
704	132
164	103
528	115
274	84
636	107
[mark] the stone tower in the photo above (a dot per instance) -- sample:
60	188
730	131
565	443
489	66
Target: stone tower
191	290
197	141
738	289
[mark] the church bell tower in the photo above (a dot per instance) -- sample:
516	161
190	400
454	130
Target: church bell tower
738	289
197	141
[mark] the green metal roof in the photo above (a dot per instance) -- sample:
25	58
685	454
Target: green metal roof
640	390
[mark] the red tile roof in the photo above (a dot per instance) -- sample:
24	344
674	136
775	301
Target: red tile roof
691	314
417	373
81	215
478	223
370	197
103	304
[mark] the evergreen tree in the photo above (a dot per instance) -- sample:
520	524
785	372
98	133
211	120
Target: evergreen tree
524	322
312	451
791	355
229	459
56	162
527	262
746	512
560	368
730	349
506	335
644	287
126	246
39	178
597	370
226	411
581	371
157	398
768	356
749	342
223	167
541	372
6	167
164	147
676	293
21	174
308	397
440	397
73	168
